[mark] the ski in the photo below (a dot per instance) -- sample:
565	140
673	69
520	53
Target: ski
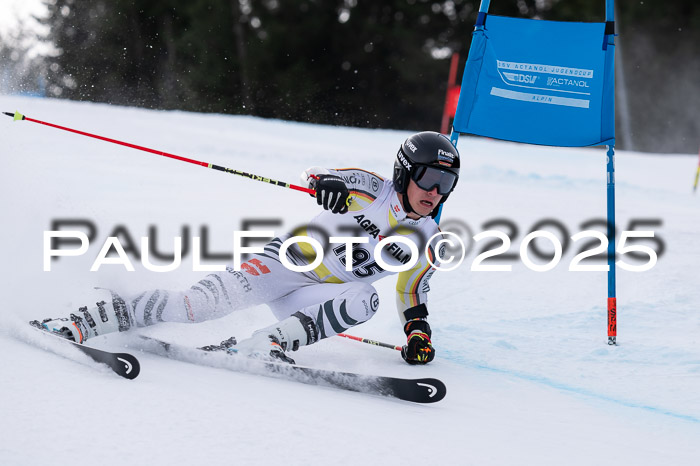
123	364
425	390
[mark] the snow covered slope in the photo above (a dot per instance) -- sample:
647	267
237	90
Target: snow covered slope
530	378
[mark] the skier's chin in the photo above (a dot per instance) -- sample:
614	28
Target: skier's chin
424	210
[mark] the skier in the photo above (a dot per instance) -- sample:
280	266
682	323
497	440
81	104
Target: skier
329	299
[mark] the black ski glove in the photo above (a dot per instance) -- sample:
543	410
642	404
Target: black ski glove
418	348
332	193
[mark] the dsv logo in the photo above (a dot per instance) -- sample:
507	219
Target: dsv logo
521	78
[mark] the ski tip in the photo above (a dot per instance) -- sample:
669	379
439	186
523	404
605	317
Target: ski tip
16	115
130	368
433	390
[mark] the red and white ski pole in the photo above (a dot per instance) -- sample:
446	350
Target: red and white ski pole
370	342
18	116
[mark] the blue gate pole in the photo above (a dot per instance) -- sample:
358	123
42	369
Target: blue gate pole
612	299
483	10
454	135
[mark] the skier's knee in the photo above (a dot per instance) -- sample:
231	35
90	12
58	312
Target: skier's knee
355	305
365	302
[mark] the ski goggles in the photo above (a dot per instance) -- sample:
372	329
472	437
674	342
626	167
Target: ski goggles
427	178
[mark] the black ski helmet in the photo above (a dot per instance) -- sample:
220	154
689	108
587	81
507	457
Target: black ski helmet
427	157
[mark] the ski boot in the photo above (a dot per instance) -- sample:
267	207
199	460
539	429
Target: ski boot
271	343
108	316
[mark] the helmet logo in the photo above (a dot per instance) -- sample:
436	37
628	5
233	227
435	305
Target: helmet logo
404	162
445	158
411	146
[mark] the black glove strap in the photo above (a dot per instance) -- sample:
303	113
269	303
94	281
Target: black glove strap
416	312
